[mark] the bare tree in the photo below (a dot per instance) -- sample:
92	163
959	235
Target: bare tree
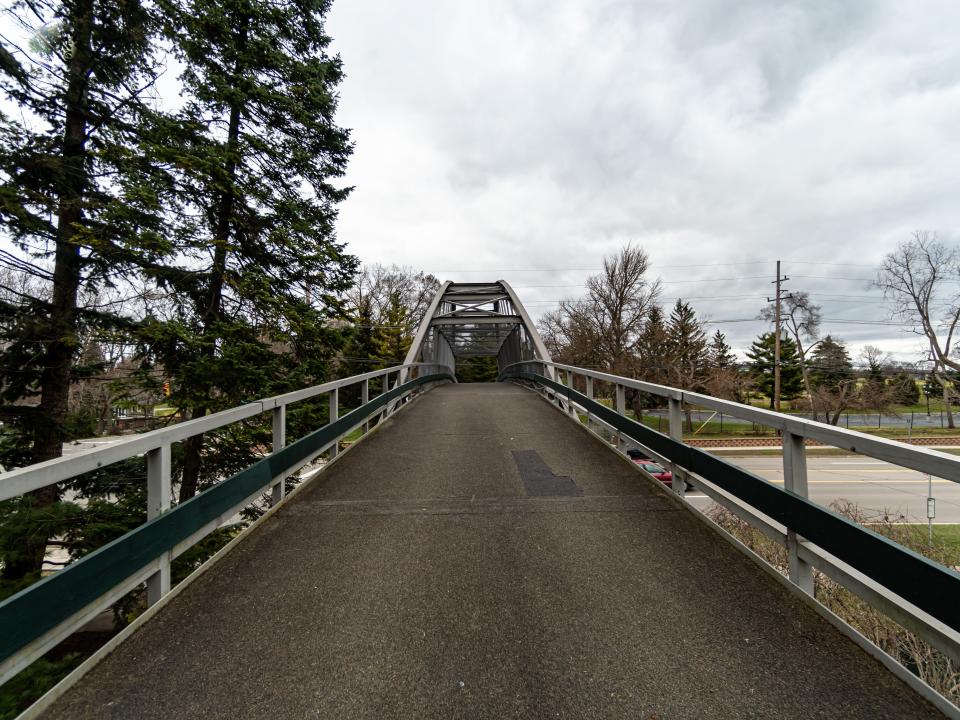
603	329
875	393
571	336
618	301
919	279
801	318
378	287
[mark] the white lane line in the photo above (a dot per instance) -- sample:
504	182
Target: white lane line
890	470
854	481
857	462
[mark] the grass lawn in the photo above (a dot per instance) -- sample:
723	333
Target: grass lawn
949	535
946	540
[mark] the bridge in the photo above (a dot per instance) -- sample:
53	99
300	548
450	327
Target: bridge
487	550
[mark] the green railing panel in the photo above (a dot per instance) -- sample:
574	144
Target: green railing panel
930	586
29	614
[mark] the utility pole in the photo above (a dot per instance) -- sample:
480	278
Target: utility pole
776	343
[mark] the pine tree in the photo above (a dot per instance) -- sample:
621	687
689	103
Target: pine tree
391	339
651	347
74	193
830	364
720	353
724	378
253	155
905	389
832	377
762	354
360	353
686	356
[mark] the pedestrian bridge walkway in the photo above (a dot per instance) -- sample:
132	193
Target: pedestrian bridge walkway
481	556
486	551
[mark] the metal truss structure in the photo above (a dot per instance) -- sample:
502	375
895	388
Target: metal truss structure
467	320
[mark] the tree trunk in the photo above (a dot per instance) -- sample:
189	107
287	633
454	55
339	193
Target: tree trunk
947	404
62	342
192	448
213	312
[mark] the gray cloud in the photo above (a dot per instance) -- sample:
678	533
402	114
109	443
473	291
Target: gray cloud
506	136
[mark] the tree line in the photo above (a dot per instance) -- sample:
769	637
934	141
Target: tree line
619	327
169	241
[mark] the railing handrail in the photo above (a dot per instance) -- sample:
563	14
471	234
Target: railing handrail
926	584
41	615
32	477
917	592
921	459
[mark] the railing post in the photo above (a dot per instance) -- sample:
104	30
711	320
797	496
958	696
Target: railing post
589	394
333	415
158	501
620	398
364	399
675	428
573	411
279	442
795	480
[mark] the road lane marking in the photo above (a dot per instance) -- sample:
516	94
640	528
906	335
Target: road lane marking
869	482
890	470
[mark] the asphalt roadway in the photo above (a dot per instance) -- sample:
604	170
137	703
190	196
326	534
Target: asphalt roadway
479	556
878	488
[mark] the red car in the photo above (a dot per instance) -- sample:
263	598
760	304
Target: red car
658	471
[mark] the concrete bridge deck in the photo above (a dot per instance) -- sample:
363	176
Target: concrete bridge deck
442	571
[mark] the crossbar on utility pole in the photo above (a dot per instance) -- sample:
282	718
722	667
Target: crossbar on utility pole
776	341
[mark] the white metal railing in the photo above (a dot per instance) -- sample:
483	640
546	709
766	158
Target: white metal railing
803	556
156	445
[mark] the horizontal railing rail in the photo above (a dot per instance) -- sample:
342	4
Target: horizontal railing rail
33	477
917	458
914	590
40	616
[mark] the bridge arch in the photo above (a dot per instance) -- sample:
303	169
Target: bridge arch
484	319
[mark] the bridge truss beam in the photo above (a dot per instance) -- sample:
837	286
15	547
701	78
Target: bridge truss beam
469	320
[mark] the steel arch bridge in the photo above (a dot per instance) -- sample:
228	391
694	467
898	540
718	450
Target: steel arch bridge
467	320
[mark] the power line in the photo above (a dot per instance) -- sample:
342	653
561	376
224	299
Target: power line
597	269
655	266
833	277
664	282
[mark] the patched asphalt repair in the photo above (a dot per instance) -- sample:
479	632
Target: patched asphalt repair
479	556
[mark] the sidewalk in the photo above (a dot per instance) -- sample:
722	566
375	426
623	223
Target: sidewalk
477	557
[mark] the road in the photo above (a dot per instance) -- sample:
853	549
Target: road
873	485
936	419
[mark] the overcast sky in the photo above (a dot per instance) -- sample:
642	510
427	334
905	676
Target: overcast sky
525	140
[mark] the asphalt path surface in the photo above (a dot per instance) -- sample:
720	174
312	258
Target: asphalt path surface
878	488
479	556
